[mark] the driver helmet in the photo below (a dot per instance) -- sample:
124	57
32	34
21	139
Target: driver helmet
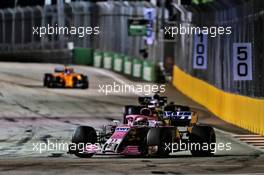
68	70
153	103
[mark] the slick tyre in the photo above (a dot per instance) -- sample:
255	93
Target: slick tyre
85	84
47	78
83	135
204	136
160	137
75	82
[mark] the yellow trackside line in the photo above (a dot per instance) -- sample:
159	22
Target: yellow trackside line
239	110
254	141
246	135
248	138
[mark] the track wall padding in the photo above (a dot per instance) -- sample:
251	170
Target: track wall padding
245	112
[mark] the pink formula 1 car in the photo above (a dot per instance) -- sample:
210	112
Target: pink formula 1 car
153	128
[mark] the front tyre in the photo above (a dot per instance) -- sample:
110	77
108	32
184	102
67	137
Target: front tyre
160	138
82	136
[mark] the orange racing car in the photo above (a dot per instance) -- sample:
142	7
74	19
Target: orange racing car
65	77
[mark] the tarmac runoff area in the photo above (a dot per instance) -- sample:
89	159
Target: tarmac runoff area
32	114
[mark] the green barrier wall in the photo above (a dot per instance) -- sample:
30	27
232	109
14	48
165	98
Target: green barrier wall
118	63
127	65
149	73
107	60
137	68
97	59
83	56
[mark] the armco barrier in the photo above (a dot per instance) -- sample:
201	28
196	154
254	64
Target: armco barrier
107	60
83	56
118	63
97	59
239	110
127	65
137	68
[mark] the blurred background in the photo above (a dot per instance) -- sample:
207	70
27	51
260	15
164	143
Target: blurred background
18	17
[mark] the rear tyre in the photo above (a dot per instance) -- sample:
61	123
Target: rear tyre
203	135
50	84
160	137
75	82
47	78
85	82
83	135
85	85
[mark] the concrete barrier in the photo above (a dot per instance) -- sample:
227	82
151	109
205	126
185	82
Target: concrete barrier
149	73
118	62
127	65
137	68
131	67
97	59
107	60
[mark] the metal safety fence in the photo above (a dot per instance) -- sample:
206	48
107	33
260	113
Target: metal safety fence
232	61
223	71
95	33
20	28
29	28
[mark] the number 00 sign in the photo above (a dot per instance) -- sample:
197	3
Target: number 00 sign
200	51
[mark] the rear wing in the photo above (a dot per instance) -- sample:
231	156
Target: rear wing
146	99
181	118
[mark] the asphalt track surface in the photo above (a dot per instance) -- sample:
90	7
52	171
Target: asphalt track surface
31	114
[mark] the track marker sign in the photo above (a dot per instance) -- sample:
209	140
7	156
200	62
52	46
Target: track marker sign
200	51
137	27
150	15
242	61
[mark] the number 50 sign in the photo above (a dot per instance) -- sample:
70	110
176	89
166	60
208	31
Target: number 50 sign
242	61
